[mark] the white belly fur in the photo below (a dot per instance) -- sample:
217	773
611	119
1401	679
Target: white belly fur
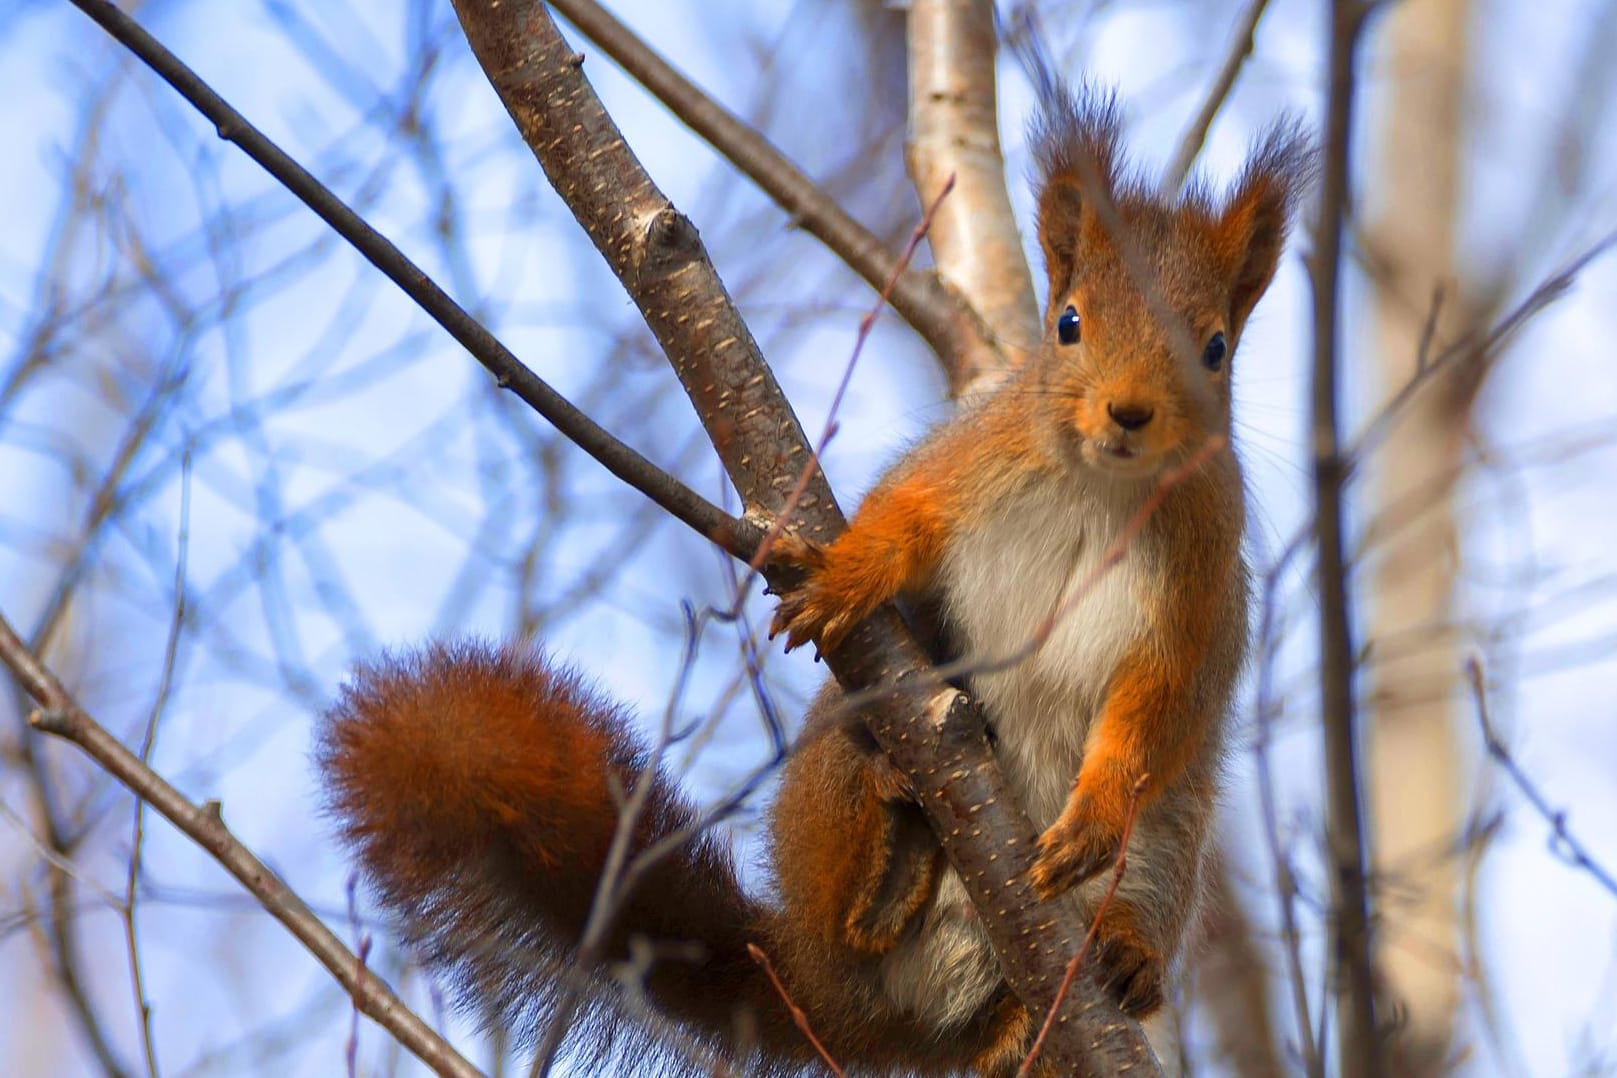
1043	551
1044	554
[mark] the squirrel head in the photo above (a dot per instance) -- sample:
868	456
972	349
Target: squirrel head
1148	293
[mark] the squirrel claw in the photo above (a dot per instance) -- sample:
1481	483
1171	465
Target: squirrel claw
792	549
816	610
1071	850
1132	970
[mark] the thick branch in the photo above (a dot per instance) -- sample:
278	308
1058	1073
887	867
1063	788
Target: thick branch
954	131
935	736
941	316
60	715
1415	775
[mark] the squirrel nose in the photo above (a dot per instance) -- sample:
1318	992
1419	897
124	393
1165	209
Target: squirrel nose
1130	416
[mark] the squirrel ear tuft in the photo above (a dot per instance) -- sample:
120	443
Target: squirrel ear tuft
1074	137
1252	229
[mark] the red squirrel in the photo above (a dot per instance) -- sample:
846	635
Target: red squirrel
480	786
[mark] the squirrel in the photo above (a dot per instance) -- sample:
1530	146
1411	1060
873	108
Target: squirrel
480	785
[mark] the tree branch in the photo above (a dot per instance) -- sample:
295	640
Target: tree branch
1358	1047
1563	843
1190	146
944	318
935	736
954	132
61	715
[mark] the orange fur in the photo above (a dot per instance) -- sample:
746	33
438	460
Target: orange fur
479	788
894	549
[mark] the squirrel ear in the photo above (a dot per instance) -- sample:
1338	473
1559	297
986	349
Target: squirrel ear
1252	229
1061	204
1074	138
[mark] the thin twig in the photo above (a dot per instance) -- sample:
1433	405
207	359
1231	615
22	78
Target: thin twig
812	465
1077	961
1285	877
1190	146
148	741
1563	843
798	1016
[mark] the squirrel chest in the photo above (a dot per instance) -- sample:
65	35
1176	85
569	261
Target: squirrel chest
1050	561
1037	567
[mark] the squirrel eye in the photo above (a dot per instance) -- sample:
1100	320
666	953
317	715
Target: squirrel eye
1067	326
1213	355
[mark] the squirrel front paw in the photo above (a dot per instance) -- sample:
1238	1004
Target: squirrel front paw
809	611
1071	850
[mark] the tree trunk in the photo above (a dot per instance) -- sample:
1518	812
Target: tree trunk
1415	649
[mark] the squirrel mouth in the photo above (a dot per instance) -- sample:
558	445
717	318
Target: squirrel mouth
1121	458
1119	450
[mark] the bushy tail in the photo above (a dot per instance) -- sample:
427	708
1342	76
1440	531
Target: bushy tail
480	787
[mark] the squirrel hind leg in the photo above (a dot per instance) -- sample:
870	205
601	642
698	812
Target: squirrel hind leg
855	861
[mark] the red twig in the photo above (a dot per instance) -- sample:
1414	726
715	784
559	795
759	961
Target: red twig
798	1016
1094	927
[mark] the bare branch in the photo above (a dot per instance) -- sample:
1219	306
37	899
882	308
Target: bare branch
963	341
1358	1047
60	715
798	1016
1565	844
1190	146
1285	878
165	681
954	132
1232	984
